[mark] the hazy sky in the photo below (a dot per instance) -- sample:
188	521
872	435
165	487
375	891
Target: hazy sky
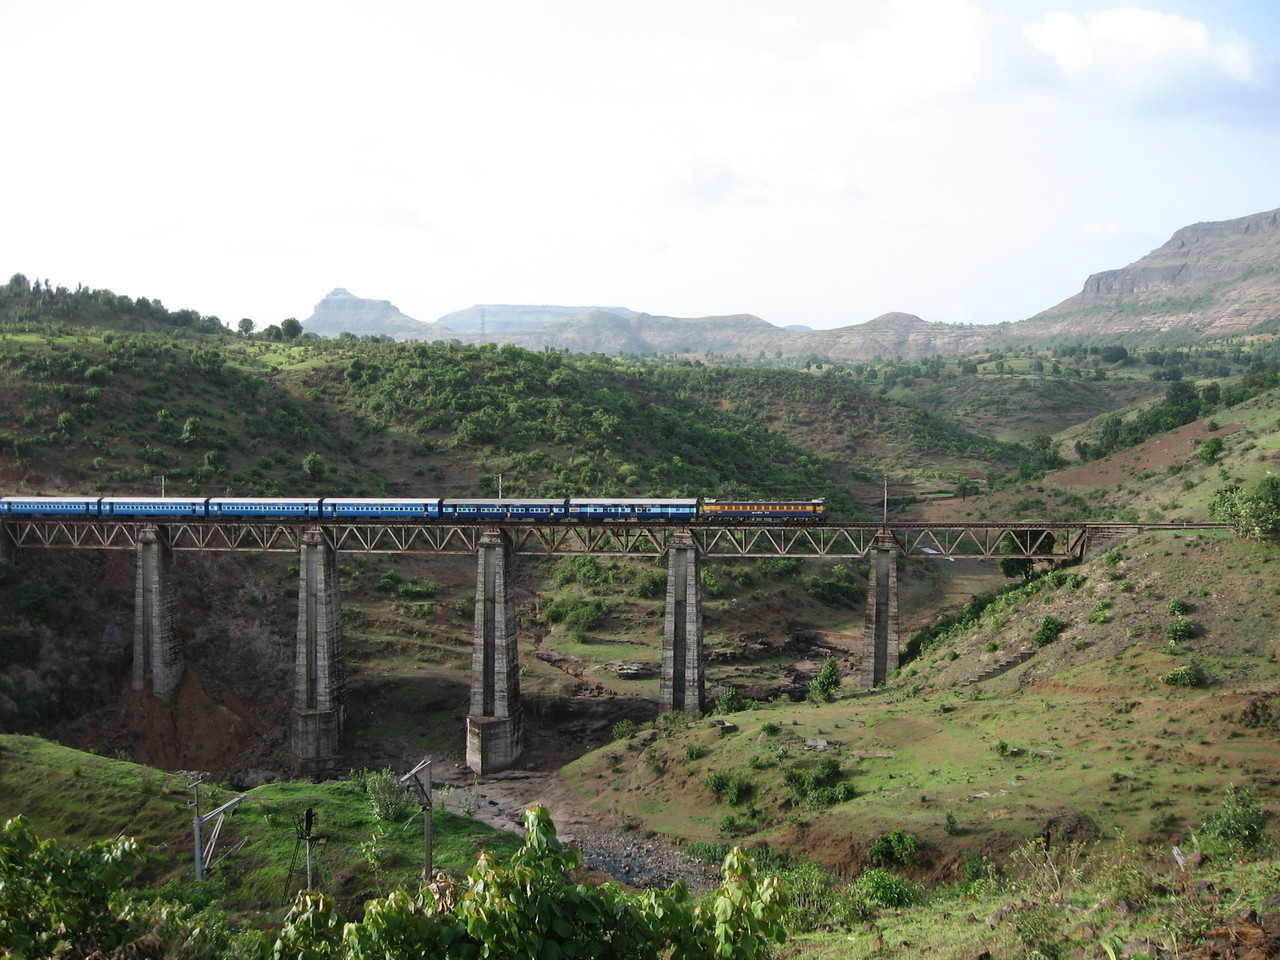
809	162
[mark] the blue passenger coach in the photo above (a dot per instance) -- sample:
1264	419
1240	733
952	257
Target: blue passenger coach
155	506
594	510
505	509
380	509
59	506
282	507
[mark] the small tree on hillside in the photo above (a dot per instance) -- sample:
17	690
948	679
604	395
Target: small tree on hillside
290	328
245	326
826	684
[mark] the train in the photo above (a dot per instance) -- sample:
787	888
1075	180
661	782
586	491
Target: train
586	510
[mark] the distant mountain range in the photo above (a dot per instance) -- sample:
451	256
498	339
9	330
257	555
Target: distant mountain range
1210	279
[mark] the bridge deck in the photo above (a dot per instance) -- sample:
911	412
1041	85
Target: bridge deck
1025	539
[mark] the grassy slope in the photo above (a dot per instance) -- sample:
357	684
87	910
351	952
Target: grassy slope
1158	480
1099	733
84	797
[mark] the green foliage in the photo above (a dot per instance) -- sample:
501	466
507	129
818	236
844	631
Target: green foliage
576	612
387	796
820	784
950	825
894	849
730	788
1239	824
1179	606
1188	675
651	584
779	566
313	466
624	729
1211	450
692	751
1180	629
844	588
885	889
731	701
770	729
56	900
1251	513
824	687
1049	630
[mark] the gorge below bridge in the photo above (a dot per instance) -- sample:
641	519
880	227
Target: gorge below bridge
494	733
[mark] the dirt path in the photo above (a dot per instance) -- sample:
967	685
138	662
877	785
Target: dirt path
606	846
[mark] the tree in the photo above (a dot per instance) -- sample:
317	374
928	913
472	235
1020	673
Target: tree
823	687
313	466
290	328
965	488
1253	513
245	326
273	333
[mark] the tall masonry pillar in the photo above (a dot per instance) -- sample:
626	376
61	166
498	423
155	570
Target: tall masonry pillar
495	732
881	624
157	654
683	660
318	674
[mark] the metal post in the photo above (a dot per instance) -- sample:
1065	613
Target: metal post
309	886
412	780
199	845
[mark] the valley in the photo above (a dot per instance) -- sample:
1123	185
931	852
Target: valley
1028	703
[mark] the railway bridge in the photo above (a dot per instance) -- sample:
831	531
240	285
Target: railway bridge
494	735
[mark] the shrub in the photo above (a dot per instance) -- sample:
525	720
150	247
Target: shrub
651	584
1049	630
693	751
465	607
779	566
770	729
419	589
819	785
387	796
624	729
1181	629
576	612
1178	606
731	701
1239	824
894	849
1101	611
885	889
389	582
951	826
1190	675
718	783
824	686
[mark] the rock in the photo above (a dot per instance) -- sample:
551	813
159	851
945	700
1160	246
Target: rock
635	671
816	744
343	312
1067	825
725	726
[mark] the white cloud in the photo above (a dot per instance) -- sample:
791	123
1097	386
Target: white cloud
1143	48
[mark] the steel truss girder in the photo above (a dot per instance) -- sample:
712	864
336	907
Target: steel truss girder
938	541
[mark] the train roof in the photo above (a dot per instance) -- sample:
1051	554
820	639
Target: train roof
264	499
381	500
508	501
154	499
770	500
681	501
53	499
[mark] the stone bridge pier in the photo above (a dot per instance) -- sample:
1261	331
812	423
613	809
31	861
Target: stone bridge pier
683	660
157	653
880	656
495	733
318	710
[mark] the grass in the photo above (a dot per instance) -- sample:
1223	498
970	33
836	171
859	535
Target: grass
70	794
1092	726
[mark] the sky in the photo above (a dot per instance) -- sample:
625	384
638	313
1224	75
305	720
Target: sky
806	161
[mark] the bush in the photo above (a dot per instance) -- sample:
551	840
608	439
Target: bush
1049	630
770	729
576	612
725	786
885	889
694	752
1181	630
819	785
624	729
388	797
651	584
1179	606
1239	824
1190	675
951	826
894	849
824	686
731	701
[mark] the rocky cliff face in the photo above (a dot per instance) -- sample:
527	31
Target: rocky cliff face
1209	279
343	312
